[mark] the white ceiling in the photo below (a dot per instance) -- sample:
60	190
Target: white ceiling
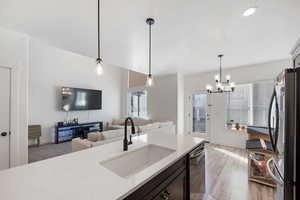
187	36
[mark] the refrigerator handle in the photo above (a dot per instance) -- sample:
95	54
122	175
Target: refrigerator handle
277	122
276	129
274	177
269	121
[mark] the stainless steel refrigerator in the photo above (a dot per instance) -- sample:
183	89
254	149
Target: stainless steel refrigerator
284	120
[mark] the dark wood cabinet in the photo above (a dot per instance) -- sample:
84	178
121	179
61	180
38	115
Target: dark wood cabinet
177	181
170	184
176	190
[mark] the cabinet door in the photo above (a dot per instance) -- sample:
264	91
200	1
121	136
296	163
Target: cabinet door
176	190
4	117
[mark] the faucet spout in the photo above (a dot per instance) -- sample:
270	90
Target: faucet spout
125	140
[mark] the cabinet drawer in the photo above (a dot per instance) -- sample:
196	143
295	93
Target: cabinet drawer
176	190
156	185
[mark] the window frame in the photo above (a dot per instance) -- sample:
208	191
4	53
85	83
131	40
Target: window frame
129	102
251	105
248	109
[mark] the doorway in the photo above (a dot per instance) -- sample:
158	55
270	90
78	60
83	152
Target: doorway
5	113
200	115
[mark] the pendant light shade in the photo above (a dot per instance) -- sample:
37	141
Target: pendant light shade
150	81
99	68
99	61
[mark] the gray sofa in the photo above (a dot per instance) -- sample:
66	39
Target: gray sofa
100	138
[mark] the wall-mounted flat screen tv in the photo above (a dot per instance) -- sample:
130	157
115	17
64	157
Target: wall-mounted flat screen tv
81	99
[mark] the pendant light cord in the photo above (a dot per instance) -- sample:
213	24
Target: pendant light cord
150	48
220	68
98	28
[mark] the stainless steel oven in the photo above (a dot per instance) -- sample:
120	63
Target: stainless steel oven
197	173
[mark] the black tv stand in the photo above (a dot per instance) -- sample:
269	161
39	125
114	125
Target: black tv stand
68	132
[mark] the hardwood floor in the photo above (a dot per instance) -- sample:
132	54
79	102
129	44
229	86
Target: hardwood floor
227	176
48	151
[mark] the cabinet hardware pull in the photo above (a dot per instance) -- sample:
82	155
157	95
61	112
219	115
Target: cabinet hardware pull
165	195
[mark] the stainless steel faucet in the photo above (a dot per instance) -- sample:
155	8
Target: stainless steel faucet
125	141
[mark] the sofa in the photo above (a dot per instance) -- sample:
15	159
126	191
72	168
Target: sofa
117	133
146	125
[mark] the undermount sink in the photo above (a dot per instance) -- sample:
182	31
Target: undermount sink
137	160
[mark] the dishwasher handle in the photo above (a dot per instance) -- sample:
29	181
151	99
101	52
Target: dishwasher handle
197	153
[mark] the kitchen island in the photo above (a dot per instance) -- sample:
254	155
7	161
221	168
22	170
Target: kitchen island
86	175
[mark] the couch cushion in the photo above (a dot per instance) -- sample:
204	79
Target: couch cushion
112	134
79	144
137	122
118	122
115	127
148	127
102	142
95	136
142	122
167	123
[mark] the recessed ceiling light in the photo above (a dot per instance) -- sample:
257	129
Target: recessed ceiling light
250	11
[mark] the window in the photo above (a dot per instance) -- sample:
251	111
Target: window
261	98
248	104
199	113
137	104
238	105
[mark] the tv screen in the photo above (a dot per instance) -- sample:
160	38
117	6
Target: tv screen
81	99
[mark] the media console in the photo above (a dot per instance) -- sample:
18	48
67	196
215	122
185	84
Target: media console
68	132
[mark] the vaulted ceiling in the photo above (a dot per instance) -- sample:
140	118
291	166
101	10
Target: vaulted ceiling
187	35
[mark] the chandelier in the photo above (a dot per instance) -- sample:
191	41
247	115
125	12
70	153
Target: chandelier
221	86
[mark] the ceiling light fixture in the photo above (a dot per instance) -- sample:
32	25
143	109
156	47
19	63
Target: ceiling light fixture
221	86
149	82
250	10
99	60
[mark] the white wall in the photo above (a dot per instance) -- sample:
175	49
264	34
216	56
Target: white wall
162	100
247	74
52	68
162	97
180	104
14	55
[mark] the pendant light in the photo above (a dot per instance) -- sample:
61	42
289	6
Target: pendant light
99	60
221	86
149	81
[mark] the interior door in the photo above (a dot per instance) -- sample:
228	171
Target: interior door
200	115
4	117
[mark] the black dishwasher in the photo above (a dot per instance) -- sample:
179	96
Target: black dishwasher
197	173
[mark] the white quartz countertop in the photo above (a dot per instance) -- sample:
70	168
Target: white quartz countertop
79	175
